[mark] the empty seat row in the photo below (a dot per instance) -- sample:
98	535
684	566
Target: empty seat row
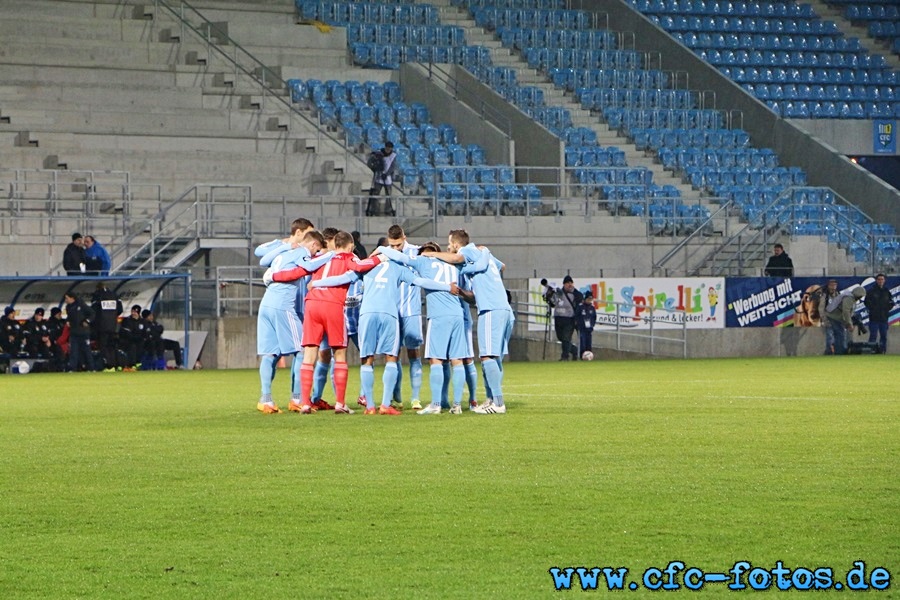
799	109
598	176
551	58
884	29
746	25
492	18
724	7
389	56
809	76
344	13
314	91
594	156
628	119
572	79
656	139
523	96
407	35
872	12
600	98
375	135
794	58
541	4
680	159
801	91
531	37
767	41
714	178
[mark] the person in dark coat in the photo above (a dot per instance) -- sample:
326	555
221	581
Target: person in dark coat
879	301
131	337
107	309
780	264
11	331
74	257
585	319
79	316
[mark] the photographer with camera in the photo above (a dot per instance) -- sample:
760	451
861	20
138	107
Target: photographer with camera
836	309
564	301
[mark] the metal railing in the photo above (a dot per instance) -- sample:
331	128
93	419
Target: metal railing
616	334
197	213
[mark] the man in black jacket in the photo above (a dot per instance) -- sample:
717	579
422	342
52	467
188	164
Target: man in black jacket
107	308
879	301
75	257
79	316
11	331
780	264
131	337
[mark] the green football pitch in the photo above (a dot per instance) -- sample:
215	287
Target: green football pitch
172	485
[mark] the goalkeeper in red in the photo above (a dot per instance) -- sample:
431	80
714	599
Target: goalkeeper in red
325	317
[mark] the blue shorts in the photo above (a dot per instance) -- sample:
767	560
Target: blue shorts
411	332
470	345
446	339
494	330
278	331
379	333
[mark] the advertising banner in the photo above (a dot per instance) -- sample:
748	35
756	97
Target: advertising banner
627	302
790	302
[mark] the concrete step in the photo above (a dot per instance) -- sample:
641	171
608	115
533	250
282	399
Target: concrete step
262	143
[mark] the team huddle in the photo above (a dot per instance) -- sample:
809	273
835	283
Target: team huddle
320	296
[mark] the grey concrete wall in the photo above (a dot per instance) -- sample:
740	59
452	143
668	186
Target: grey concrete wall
824	166
231	344
470	125
851	137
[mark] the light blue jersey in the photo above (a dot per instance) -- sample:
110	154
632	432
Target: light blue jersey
483	271
410	304
382	288
268	251
438	303
289	295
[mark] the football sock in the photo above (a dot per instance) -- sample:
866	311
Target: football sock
340	381
296	361
436	379
494	376
389	379
445	389
471	378
320	376
367	382
267	374
415	377
397	395
306	382
487	384
459	379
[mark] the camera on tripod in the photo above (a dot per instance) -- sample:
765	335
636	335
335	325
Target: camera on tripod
549	294
861	328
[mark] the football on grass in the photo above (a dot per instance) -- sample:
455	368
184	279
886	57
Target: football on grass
587	355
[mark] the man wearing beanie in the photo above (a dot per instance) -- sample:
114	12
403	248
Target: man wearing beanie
74	257
565	301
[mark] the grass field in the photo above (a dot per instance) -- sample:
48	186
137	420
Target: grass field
171	485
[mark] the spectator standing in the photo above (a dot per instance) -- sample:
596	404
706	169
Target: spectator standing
585	319
98	261
358	249
79	316
780	264
382	179
74	257
879	301
107	308
565	301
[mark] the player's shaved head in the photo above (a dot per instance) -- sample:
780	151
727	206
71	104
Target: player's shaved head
430	247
